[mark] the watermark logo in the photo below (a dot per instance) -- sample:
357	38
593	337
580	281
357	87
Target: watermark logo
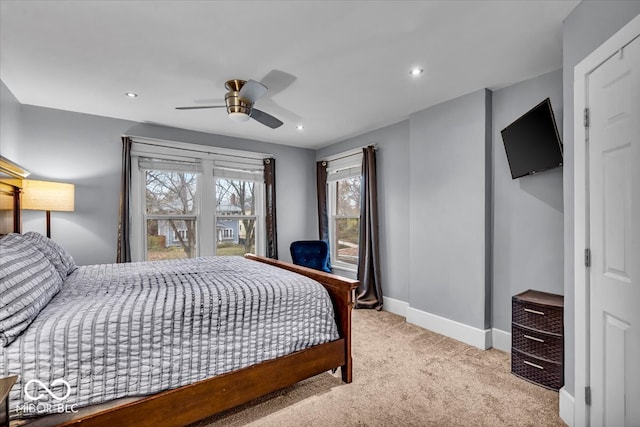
47	389
39	408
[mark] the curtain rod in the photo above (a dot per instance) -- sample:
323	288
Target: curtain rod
348	153
190	146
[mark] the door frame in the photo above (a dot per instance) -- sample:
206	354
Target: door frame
581	212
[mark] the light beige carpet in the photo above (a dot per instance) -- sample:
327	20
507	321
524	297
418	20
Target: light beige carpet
405	376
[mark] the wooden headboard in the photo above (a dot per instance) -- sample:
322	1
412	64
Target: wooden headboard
9	208
11	176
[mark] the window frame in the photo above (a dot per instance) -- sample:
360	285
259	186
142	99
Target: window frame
146	217
344	166
259	215
206	238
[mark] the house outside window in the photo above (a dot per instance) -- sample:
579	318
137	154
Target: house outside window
343	199
236	215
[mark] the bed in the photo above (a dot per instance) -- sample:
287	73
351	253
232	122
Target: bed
188	370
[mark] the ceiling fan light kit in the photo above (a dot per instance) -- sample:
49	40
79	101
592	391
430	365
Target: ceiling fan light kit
238	116
238	108
239	102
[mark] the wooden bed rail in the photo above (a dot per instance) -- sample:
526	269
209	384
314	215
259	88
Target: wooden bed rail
188	404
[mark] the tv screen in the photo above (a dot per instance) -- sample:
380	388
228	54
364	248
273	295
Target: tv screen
532	142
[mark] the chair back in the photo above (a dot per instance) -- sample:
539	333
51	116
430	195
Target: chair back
311	253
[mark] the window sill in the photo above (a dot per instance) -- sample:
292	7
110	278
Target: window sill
337	269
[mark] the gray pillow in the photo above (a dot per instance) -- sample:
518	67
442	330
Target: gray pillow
28	281
61	259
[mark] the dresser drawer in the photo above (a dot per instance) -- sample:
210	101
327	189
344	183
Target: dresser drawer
540	371
535	316
538	344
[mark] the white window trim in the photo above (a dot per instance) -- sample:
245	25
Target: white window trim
157	147
205	225
259	194
339	167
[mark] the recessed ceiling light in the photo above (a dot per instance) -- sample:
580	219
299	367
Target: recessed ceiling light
131	94
299	127
416	71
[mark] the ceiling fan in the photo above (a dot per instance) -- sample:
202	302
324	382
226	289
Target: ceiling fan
239	102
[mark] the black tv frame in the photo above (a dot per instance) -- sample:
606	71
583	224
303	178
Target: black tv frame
519	122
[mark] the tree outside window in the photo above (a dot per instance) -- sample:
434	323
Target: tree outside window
170	214
346	220
236	211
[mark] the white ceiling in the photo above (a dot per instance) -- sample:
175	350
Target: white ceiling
338	68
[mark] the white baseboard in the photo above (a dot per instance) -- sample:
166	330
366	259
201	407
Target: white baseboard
501	340
468	334
482	339
395	306
567	403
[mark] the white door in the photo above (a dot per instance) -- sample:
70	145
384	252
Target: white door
613	99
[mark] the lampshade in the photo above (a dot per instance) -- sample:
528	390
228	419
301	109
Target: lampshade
47	195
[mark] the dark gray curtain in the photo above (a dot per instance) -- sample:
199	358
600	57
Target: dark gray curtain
124	225
270	217
323	215
369	293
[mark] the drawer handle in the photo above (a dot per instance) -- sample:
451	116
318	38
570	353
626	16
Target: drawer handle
533	338
533	364
528	310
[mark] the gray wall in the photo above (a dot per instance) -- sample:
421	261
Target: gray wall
527	212
85	150
392	161
448	209
589	25
525	230
9	123
434	207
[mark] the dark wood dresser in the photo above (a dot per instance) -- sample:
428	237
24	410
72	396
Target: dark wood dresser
537	338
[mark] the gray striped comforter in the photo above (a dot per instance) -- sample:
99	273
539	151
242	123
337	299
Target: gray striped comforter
118	330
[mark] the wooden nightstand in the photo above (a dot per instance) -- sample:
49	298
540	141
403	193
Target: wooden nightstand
537	338
5	387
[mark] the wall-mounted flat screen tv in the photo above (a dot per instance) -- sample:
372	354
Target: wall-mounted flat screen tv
532	142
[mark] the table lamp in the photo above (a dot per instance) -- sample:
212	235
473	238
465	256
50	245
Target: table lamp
47	196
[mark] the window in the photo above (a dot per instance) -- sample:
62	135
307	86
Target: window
236	216
188	203
170	208
224	233
239	202
346	220
343	180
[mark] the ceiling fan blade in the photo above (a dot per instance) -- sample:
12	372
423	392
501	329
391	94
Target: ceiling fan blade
265	119
200	107
277	81
252	90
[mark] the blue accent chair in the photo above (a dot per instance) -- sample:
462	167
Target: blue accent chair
311	253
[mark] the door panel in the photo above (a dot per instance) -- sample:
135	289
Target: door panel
614	234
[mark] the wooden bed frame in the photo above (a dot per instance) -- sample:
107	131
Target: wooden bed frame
9	207
11	176
193	402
